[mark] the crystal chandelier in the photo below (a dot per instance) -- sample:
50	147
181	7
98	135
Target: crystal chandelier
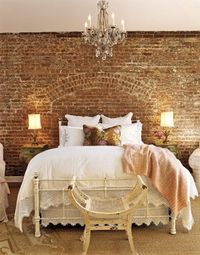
105	36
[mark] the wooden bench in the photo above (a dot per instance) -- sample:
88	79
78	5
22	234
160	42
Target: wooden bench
107	213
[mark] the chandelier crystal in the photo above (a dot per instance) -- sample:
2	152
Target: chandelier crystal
105	36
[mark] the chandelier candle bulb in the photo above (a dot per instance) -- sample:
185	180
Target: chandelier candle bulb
90	20
122	23
113	19
86	26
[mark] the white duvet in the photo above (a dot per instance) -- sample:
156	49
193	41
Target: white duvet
85	162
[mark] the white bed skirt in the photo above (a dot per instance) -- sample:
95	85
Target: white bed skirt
54	215
154	210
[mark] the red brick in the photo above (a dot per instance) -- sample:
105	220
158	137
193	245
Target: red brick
55	74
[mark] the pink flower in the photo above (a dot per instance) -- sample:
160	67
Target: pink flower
158	134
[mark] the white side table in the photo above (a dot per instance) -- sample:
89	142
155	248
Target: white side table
194	162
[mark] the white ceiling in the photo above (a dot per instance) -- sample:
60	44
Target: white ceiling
70	15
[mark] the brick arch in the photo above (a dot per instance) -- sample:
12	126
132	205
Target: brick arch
124	83
111	94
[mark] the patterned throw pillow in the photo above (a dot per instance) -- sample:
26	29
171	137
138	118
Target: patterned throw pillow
96	136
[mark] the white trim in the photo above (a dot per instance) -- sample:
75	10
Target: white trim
14	178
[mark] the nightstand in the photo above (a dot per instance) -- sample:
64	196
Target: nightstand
28	151
173	147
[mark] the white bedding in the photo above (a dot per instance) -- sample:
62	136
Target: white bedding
86	162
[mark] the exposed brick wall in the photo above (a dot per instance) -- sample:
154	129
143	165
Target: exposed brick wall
56	74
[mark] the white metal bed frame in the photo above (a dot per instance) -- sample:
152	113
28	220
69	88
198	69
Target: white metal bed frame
37	185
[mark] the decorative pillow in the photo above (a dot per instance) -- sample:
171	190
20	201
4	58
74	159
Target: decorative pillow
97	136
130	134
125	120
79	121
71	136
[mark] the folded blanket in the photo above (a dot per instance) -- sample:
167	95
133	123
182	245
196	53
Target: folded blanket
165	171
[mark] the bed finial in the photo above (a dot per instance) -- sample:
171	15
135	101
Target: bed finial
36	175
60	122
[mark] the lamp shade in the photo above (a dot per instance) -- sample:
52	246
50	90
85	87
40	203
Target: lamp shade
167	119
34	121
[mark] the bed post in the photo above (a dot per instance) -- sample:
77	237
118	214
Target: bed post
36	205
59	130
59	122
173	224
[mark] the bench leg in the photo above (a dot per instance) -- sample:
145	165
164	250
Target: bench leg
130	238
86	240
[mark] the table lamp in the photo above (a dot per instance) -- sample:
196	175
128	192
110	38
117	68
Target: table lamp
34	123
167	122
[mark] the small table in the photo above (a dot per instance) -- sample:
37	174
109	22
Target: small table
28	151
173	147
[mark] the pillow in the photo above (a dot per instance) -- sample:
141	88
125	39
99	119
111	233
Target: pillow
130	134
97	136
117	121
71	136
79	121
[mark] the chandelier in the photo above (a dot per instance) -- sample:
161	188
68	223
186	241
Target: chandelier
105	36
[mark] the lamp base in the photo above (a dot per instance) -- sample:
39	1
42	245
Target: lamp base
34	136
166	134
166	141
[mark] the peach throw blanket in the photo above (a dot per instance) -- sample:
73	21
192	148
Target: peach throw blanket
164	170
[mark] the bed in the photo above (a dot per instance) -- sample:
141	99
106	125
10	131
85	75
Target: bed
100	172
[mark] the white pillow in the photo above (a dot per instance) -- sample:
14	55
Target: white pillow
79	121
130	134
125	120
71	136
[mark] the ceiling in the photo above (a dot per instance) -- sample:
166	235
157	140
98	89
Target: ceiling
70	15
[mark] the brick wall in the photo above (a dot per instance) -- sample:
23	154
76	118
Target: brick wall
54	74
